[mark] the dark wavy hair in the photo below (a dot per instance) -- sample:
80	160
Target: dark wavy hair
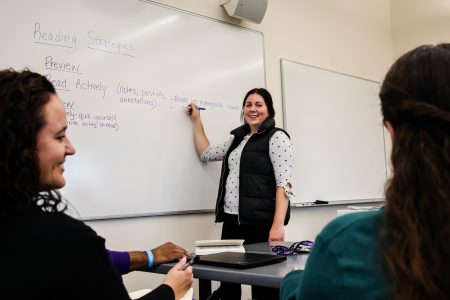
22	99
267	99
415	99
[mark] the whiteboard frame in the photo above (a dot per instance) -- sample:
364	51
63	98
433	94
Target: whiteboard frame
285	121
259	76
180	212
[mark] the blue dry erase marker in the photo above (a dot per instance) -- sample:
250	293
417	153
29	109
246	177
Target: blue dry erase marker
200	108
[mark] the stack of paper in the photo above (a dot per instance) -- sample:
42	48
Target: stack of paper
216	246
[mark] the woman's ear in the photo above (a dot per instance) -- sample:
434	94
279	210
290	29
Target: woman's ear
390	128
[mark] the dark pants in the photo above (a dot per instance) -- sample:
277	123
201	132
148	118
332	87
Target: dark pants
250	234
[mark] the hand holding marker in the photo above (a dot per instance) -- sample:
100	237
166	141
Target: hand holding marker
190	262
191	106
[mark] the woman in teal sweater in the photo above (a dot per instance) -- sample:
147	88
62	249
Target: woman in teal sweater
401	251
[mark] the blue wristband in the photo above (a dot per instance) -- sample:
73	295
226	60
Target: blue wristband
151	259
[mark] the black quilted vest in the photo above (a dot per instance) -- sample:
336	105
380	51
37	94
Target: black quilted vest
257	186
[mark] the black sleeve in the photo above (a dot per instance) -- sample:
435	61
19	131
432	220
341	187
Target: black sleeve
162	292
89	273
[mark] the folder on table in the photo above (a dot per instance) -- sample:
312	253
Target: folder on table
240	260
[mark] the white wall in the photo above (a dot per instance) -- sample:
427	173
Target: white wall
349	36
417	22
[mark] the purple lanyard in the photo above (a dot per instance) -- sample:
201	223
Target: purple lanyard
297	247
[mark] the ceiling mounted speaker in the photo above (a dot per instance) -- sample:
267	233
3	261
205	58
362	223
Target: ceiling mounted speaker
250	10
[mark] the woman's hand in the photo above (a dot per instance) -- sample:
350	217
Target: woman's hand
179	280
200	139
192	111
281	206
276	233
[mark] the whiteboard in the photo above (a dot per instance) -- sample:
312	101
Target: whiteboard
335	124
125	70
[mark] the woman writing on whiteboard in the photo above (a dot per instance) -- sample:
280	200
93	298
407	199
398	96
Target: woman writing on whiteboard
401	251
47	254
254	188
